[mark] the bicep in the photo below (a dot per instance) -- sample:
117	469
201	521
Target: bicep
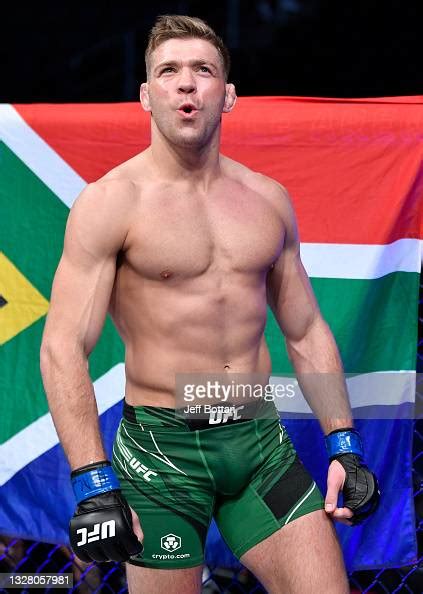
289	291
85	275
291	296
79	301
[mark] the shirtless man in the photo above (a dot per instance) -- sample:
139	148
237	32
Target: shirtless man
186	248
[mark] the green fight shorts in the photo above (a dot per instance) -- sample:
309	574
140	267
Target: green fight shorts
246	474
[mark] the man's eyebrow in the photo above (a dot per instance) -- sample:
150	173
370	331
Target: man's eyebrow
194	62
164	64
201	62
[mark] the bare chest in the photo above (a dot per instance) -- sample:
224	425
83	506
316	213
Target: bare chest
175	235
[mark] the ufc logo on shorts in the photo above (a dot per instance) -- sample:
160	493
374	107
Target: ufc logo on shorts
141	468
99	532
218	416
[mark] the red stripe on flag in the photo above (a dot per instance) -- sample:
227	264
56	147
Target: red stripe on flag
352	166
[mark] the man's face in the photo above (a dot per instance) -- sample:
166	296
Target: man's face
185	91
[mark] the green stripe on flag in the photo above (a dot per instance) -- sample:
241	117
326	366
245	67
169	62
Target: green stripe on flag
374	322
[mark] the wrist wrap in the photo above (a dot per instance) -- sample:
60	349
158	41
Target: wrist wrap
344	441
93	479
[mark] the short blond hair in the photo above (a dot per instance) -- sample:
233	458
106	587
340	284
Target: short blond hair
175	26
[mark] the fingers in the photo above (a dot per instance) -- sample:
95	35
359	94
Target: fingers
136	526
341	515
336	478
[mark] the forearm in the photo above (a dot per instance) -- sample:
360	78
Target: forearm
72	404
320	375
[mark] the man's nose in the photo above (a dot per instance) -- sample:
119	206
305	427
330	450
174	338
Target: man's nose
186	83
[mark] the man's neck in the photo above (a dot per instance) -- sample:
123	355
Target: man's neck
198	165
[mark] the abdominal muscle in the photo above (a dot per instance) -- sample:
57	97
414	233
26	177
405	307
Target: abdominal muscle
202	325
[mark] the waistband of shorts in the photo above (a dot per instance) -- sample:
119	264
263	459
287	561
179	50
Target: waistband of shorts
153	414
170	417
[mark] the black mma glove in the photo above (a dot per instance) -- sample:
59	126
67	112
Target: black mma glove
361	489
101	528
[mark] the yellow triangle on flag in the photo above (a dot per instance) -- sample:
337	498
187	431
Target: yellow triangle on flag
21	304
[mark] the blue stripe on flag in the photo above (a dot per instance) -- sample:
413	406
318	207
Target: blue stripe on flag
38	502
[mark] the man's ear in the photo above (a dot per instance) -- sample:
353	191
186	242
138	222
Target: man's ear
230	98
144	97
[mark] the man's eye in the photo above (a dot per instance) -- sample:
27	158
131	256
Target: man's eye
205	69
168	69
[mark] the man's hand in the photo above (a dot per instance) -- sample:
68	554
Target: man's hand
359	486
348	472
336	479
103	528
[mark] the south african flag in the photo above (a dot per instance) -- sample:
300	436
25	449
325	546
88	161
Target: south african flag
354	171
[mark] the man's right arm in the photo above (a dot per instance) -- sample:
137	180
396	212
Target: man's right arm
95	232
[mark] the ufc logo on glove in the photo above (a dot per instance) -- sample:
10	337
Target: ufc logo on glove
108	530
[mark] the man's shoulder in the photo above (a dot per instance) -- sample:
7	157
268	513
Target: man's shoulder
109	201
101	215
121	184
110	186
262	184
106	193
126	175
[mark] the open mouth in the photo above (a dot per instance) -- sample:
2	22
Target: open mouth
187	109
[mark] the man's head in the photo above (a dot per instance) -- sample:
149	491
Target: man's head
186	90
184	27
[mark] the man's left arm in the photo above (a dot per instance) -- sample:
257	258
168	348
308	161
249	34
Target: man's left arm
310	344
315	358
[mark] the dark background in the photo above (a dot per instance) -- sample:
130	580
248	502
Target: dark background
55	51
